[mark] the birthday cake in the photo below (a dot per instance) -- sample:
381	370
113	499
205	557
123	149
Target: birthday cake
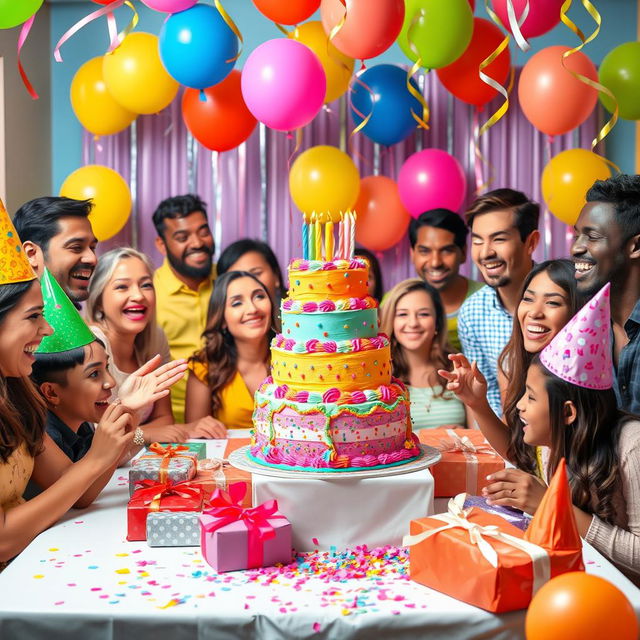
330	403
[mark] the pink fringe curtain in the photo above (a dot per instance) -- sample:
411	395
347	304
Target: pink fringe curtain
247	188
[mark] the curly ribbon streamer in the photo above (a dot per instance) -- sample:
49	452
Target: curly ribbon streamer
593	12
22	38
424	118
232	25
514	23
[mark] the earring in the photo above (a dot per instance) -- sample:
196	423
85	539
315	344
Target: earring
99	315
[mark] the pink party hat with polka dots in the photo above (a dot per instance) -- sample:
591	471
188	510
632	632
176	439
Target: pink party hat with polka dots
581	352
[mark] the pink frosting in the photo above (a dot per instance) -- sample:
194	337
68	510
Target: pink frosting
280	392
355	264
328	266
330	346
289	344
356	344
327	305
303	265
310	307
358	397
287	304
364	461
310	345
386	393
377	343
302	396
331	395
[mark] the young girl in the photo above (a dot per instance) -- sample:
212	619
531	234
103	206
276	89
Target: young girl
376	285
413	318
225	374
569	406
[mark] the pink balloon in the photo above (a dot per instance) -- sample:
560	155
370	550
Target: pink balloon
170	6
283	84
431	179
543	15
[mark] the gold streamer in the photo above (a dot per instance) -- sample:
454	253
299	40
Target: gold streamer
499	113
424	119
232	25
282	29
133	23
593	12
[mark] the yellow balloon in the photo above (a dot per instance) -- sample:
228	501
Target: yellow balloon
338	67
566	180
136	77
110	195
92	103
325	180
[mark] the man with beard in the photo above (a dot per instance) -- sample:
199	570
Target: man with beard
438	241
606	248
56	233
184	282
504	234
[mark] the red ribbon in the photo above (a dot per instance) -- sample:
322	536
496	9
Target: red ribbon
227	508
24	32
150	493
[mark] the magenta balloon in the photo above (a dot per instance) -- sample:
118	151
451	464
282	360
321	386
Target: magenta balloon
431	179
170	6
283	84
543	15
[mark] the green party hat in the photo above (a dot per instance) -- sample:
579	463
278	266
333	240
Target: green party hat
69	329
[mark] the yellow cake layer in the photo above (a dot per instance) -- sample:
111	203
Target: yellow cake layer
328	285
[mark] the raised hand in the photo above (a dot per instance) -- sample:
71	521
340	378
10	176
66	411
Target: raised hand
113	434
465	381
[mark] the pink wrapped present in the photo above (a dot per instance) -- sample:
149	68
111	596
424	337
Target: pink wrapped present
234	537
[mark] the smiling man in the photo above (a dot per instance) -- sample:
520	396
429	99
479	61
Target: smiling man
56	233
184	282
504	234
606	248
438	241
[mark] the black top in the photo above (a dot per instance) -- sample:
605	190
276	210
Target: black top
73	445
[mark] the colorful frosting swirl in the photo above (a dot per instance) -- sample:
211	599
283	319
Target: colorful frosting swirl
326	306
320	265
330	346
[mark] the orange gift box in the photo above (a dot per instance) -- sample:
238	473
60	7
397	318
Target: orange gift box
467	460
234	475
481	559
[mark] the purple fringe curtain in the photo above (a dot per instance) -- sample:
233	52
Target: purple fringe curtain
247	188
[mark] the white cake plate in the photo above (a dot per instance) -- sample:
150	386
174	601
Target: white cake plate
428	457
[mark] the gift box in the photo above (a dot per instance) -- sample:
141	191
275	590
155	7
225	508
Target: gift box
209	477
513	516
171	463
199	448
152	497
467	460
177	529
480	558
234	537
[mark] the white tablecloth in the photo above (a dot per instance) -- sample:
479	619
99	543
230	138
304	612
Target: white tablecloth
82	577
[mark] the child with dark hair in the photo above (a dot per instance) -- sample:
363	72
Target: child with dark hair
375	283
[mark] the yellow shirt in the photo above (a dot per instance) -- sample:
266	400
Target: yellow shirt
182	314
237	404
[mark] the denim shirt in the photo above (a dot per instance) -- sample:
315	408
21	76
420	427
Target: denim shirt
627	373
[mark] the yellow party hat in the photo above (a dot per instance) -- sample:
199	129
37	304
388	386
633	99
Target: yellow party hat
14	266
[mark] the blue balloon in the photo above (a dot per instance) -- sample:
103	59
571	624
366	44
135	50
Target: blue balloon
197	47
389	102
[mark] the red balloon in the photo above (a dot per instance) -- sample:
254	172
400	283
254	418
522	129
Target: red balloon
379	208
461	77
102	1
542	17
287	11
222	121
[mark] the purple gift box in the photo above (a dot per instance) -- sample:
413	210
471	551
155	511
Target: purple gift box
514	516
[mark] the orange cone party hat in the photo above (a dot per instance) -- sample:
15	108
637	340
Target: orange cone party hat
14	266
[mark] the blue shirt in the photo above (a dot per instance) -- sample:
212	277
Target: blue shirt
627	374
484	328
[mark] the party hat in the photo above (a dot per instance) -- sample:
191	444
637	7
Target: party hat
581	352
14	266
69	329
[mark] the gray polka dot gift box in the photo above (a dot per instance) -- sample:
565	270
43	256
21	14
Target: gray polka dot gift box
173	529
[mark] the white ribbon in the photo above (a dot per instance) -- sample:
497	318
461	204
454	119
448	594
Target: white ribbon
469	450
457	518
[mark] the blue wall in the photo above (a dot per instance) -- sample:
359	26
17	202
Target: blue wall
619	19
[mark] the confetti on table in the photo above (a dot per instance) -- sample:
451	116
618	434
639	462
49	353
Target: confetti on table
54	549
124	570
317	627
38	576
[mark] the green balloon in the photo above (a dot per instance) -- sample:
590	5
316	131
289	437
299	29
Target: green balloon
440	31
620	73
15	12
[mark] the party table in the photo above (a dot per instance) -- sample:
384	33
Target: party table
82	577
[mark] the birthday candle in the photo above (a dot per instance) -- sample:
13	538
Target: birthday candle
312	232
328	241
352	241
340	238
305	238
318	240
347	236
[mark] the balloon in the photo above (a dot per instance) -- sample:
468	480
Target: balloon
620	73
283	84
325	180
197	47
379	207
461	77
578	605
338	68
369	28
387	100
542	17
169	6
431	179
110	195
287	12
222	121
552	99
92	103
440	31
135	77
566	180
15	12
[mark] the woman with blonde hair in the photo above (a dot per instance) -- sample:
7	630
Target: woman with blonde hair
413	317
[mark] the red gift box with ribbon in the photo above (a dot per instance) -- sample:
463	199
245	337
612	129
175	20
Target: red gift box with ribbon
467	460
234	537
152	496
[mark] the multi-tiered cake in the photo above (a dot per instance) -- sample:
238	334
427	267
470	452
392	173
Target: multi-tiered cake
330	403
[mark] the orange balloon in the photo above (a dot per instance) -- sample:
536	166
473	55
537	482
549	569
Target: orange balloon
576	606
553	99
287	11
370	27
382	219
